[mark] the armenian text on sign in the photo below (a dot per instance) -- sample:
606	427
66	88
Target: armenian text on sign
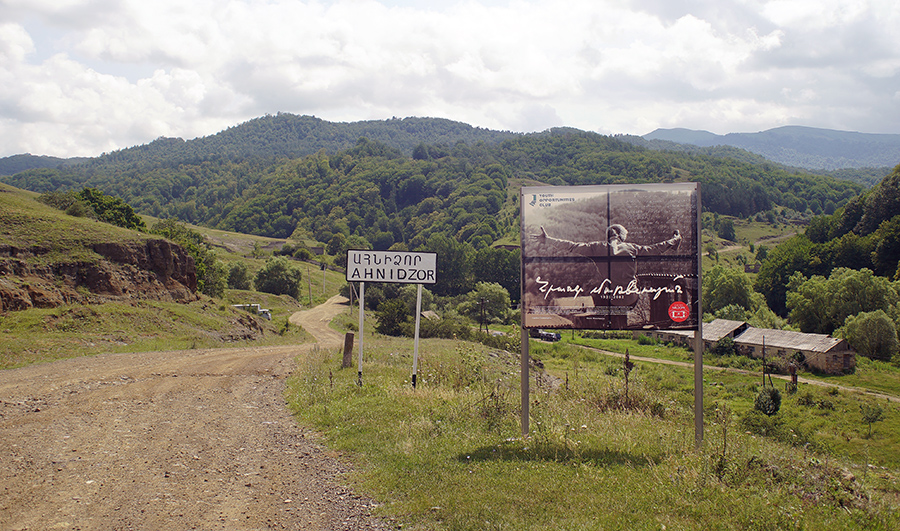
391	266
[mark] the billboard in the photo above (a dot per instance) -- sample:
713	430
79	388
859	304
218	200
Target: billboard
391	266
611	257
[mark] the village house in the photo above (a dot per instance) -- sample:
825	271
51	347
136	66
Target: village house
821	352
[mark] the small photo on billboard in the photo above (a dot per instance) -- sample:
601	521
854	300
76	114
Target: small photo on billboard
616	257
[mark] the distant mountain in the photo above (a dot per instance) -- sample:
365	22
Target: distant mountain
797	146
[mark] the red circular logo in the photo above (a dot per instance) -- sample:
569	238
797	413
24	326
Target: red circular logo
679	311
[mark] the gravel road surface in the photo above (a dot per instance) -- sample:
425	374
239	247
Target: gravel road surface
197	439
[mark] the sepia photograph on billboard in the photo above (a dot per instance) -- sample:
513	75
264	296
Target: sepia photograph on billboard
611	257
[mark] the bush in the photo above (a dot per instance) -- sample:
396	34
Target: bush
724	347
239	276
768	401
279	277
392	315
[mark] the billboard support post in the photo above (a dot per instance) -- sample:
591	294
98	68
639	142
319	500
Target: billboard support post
525	383
698	388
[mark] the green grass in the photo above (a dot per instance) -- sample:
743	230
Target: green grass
449	454
59	238
40	335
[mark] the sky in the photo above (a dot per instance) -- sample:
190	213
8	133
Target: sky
84	77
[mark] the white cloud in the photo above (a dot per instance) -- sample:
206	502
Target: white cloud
84	76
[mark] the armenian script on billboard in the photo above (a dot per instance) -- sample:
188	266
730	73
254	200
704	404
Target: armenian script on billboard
616	257
391	266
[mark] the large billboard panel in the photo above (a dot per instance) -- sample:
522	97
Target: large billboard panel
611	257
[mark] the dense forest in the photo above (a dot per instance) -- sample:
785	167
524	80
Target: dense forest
274	175
444	187
864	234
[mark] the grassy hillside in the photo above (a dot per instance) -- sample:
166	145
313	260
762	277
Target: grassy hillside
598	456
46	334
26	224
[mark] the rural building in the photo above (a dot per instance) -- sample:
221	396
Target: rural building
712	333
821	352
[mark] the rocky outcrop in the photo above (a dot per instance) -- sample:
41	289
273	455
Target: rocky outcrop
151	270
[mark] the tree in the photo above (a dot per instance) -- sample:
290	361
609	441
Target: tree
872	334
492	264
871	413
490	298
807	301
279	277
724	286
390	317
111	209
790	257
820	305
886	256
454	266
726	230
239	276
724	347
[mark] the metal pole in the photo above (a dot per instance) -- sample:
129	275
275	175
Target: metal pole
416	341
698	387
362	304
698	334
523	370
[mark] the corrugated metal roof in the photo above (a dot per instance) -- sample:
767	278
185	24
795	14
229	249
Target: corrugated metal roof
786	339
712	331
720	328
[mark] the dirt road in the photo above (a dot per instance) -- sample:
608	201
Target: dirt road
196	439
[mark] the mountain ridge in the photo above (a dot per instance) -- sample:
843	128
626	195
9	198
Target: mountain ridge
794	145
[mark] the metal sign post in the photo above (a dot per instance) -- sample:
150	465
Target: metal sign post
416	341
362	304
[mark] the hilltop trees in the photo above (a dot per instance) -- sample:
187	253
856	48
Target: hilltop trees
93	203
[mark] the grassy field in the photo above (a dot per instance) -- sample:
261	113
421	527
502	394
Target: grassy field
449	454
39	335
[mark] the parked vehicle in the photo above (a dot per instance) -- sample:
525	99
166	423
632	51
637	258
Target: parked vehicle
544	335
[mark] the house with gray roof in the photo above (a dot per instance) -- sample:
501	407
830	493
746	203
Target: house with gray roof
820	352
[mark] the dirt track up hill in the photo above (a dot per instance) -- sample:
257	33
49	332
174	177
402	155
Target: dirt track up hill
196	439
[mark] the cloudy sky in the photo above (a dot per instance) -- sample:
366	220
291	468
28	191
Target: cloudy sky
80	77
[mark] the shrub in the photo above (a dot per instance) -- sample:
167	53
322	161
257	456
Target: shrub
768	401
391	317
239	276
279	277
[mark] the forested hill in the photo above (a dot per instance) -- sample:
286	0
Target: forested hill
18	163
290	136
384	195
